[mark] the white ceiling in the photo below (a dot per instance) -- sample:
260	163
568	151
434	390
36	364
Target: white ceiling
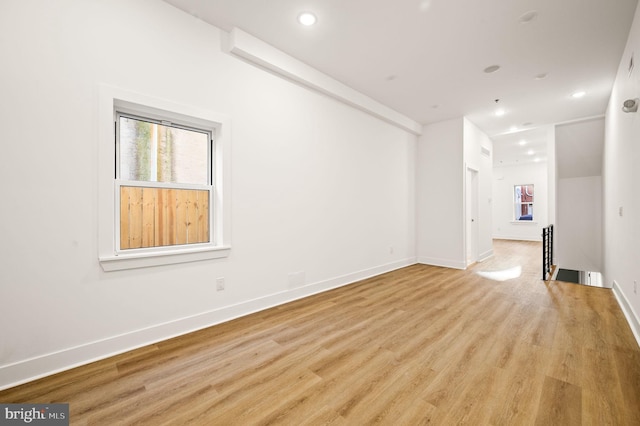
513	149
425	58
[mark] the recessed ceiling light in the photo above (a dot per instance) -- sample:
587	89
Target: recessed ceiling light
537	160
424	5
307	18
513	128
522	142
541	76
527	17
499	112
491	69
578	95
530	152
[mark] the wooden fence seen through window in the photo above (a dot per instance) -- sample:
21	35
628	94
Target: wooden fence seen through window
155	217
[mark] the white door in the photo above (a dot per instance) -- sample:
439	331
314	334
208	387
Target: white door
471	216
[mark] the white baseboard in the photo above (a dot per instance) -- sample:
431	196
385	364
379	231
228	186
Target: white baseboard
31	369
486	255
632	317
447	263
516	238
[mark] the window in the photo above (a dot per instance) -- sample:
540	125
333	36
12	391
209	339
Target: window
162	172
523	196
163	176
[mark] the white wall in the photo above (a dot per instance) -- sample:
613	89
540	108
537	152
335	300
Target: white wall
439	195
578	239
578	230
504	179
474	141
552	177
445	151
621	185
317	186
579	146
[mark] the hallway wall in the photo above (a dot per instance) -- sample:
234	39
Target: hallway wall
621	191
319	190
578	234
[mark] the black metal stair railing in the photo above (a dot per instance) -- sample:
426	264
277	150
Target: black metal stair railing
547	251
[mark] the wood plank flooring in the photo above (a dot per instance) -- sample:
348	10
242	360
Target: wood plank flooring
421	345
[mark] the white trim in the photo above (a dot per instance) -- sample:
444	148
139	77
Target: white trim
112	98
446	263
144	260
55	362
627	310
516	238
148	252
576	120
260	53
486	255
149	184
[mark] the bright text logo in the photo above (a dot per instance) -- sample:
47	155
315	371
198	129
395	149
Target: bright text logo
37	414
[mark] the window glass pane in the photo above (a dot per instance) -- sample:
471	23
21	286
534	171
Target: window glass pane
524	211
523	197
155	217
526	193
153	152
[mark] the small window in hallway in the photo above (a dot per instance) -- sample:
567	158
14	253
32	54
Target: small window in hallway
523	200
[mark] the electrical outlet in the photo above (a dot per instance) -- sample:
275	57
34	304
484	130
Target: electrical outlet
635	287
391	250
220	284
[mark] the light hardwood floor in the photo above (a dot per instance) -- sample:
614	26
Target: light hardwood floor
421	345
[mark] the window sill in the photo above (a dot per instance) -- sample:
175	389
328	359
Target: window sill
524	222
143	260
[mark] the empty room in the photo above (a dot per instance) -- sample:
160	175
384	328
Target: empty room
240	212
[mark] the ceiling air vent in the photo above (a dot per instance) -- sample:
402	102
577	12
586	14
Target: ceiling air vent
485	151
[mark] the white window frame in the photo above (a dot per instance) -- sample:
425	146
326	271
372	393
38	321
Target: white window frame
517	204
110	257
164	120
